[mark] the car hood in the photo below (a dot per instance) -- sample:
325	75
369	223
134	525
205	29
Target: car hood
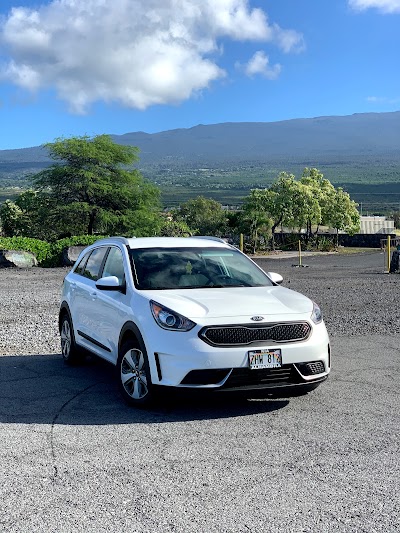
234	302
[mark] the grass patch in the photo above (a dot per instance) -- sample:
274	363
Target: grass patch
346	250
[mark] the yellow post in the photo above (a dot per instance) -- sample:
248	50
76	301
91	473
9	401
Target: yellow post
241	242
299	253
388	253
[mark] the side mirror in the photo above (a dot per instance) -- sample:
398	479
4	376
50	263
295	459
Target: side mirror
276	278
109	283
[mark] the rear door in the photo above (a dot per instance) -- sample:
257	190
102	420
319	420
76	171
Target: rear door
84	311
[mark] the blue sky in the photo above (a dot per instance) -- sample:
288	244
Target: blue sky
86	67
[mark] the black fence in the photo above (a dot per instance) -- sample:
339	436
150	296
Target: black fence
357	241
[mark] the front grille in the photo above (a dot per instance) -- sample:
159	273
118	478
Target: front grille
248	334
244	377
309	369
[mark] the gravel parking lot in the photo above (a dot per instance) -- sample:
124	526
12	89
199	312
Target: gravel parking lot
75	458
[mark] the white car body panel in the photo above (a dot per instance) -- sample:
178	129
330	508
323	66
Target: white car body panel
224	303
99	316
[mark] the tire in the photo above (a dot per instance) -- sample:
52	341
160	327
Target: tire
133	375
70	351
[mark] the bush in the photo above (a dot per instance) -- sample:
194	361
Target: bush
47	254
322	244
57	247
41	249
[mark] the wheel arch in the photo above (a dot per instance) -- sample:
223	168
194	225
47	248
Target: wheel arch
64	310
131	331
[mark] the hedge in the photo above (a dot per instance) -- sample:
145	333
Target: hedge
48	254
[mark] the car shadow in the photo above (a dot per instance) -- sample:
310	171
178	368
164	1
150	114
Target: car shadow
41	389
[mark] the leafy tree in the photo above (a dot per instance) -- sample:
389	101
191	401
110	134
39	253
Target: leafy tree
175	228
300	204
343	213
274	204
256	215
90	188
203	215
292	203
27	216
305	208
10	215
323	192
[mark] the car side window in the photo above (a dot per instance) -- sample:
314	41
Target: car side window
114	265
93	265
80	268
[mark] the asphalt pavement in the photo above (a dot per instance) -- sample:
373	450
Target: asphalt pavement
75	458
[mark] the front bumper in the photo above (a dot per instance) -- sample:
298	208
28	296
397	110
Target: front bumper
191	363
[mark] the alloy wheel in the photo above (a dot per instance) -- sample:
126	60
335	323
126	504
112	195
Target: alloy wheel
66	339
133	374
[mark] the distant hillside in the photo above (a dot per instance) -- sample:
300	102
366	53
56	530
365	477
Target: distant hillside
322	137
356	149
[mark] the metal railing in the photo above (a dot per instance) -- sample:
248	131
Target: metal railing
392	241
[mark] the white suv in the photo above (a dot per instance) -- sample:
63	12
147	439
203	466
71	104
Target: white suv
191	313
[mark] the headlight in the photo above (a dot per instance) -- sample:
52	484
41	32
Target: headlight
316	315
168	319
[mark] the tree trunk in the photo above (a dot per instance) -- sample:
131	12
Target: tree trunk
273	239
92	218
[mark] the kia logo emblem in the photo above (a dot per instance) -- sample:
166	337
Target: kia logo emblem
257	318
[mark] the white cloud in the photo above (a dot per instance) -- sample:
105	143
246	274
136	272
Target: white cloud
289	40
382	100
259	64
129	51
386	6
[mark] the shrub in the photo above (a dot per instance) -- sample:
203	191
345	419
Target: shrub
322	243
47	254
41	249
55	257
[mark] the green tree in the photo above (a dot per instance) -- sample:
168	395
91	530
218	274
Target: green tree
292	204
175	228
299	204
256	216
203	215
323	192
91	186
343	214
10	216
27	216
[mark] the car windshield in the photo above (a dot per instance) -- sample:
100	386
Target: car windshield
193	268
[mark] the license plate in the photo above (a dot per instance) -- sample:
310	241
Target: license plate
265	359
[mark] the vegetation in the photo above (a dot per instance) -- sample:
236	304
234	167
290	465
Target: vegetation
395	215
307	203
204	215
373	182
374	185
90	190
41	249
47	254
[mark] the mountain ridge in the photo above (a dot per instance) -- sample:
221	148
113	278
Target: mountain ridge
358	148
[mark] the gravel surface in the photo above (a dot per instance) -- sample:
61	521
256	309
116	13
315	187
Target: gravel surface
74	458
355	294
